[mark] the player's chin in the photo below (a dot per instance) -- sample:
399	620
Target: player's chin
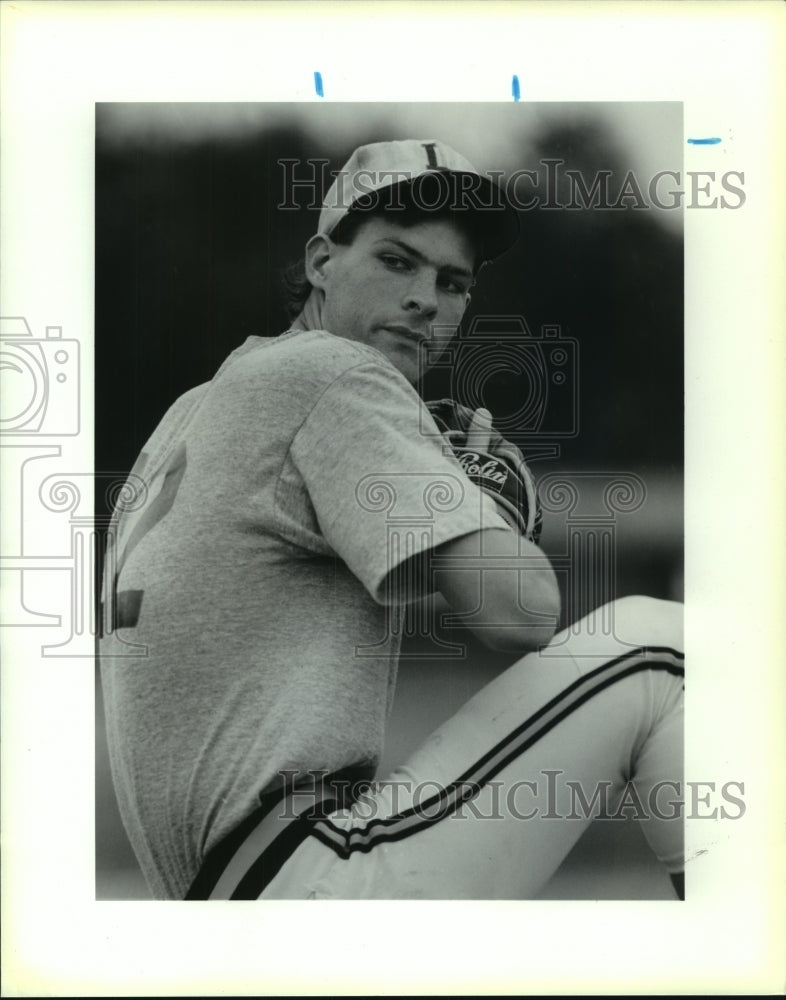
409	357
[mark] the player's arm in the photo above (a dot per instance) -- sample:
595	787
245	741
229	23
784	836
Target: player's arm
499	582
503	587
375	514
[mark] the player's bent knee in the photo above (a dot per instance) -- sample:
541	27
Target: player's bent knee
649	621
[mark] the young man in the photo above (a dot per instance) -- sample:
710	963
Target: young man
278	522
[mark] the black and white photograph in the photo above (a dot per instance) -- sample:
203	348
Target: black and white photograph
390	432
300	696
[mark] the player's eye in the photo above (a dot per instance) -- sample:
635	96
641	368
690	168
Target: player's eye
455	286
394	262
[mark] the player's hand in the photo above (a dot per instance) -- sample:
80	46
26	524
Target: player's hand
492	463
479	439
480	428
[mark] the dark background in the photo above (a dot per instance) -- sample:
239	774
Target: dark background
190	244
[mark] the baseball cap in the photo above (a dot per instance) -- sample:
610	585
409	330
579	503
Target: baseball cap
425	173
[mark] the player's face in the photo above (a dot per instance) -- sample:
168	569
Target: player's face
401	289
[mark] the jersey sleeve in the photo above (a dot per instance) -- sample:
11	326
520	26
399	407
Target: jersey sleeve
383	484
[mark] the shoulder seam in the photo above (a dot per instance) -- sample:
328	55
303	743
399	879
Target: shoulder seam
365	363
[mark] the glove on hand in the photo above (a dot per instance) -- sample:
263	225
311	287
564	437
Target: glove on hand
493	464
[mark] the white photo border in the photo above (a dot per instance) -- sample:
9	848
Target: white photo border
725	62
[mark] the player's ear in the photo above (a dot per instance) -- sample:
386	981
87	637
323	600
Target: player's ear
320	250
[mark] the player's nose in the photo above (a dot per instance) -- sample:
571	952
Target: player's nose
421	295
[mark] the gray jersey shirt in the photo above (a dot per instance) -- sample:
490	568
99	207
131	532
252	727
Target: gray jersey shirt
253	573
